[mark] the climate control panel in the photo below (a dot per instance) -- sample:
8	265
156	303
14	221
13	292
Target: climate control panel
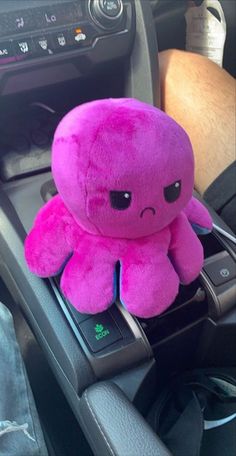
49	32
58	27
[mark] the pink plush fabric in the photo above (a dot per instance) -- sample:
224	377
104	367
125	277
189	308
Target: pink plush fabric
197	214
124	173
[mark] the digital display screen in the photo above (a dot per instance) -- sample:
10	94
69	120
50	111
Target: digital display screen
39	18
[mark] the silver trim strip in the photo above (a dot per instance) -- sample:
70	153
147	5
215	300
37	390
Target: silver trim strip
224	233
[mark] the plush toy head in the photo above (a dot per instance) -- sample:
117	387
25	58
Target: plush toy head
123	168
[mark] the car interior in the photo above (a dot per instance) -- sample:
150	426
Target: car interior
94	396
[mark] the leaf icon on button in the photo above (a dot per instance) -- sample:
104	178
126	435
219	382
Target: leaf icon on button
99	328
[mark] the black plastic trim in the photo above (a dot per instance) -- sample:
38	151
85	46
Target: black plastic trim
143	73
38	303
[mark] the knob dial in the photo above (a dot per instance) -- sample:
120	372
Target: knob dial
106	13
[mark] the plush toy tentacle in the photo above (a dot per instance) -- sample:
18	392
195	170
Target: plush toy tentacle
186	251
88	281
198	216
48	246
147	289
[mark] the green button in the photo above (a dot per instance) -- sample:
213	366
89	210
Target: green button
100	331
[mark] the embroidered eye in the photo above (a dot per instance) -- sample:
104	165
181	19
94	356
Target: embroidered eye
120	200
172	192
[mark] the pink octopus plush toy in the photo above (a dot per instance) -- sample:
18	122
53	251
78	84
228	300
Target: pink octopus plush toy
124	172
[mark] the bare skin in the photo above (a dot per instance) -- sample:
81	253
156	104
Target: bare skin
201	97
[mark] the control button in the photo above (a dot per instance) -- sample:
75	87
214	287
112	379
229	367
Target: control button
106	13
60	41
23	47
43	45
6	53
80	36
100	331
111	8
221	270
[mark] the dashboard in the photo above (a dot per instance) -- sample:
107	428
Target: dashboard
47	33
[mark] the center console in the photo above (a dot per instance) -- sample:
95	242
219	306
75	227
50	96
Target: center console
54	55
95	49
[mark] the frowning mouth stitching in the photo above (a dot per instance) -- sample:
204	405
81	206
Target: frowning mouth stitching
148	209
